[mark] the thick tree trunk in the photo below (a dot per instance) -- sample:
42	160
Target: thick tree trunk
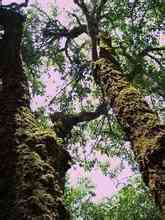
32	163
141	124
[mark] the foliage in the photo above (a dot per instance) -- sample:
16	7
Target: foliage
31	52
132	202
76	198
37	54
135	27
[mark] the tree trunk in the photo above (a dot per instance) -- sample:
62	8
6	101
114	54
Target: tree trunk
140	123
32	163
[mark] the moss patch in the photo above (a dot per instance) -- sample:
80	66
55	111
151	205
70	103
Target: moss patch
41	167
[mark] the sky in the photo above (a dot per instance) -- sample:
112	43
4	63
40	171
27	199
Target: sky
105	186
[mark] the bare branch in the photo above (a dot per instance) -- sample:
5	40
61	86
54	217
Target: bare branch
66	49
77	31
92	25
63	123
25	4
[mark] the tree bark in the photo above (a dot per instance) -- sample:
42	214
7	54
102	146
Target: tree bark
140	123
32	163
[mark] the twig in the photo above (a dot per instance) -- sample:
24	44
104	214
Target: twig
61	90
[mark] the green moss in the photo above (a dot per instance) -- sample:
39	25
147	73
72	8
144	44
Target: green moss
31	126
127	101
40	195
105	42
150	119
142	144
38	167
127	92
35	157
100	62
60	141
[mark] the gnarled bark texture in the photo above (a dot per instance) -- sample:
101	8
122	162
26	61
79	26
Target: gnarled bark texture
141	124
32	163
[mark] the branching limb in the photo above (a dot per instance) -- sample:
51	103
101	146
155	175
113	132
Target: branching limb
64	32
146	52
66	49
63	123
77	31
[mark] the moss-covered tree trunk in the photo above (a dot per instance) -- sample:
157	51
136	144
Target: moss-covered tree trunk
140	123
32	163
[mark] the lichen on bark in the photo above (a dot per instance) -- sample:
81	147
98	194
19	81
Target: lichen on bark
140	122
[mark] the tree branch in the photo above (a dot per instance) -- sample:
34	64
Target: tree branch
71	34
83	6
155	59
100	8
77	18
63	123
51	35
92	25
151	49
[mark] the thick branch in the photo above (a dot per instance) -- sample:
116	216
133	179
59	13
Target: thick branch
63	123
77	31
151	49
